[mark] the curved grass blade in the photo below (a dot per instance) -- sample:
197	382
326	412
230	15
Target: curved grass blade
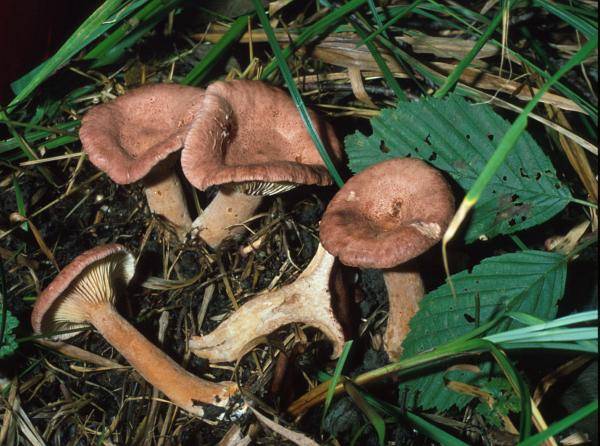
561	425
199	72
335	378
295	93
317	28
453	78
89	30
381	63
507	143
371	414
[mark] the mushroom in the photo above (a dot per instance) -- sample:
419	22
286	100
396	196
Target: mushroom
382	218
134	138
84	293
249	139
311	299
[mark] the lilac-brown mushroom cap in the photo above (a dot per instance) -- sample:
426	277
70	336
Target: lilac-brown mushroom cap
387	214
94	277
248	131
127	137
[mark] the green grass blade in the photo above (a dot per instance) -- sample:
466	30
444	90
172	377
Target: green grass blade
147	12
200	71
86	32
115	52
519	386
381	63
561	425
336	378
295	93
508	141
453	78
404	10
317	28
432	431
585	27
370	412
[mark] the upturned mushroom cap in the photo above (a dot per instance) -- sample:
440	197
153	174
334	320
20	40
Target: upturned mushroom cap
90	279
387	214
248	131
127	137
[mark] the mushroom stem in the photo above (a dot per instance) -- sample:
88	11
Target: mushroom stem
405	291
165	197
307	300
184	389
222	217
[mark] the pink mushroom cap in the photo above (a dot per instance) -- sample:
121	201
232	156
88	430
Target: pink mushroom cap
249	131
57	308
387	214
127	137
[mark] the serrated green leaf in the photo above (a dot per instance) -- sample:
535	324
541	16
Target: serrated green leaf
531	282
459	137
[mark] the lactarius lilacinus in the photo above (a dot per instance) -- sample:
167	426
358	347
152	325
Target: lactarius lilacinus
312	299
248	138
383	217
84	293
136	137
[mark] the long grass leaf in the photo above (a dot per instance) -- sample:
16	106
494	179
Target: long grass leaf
295	93
561	425
86	32
507	143
335	378
371	414
200	71
318	28
453	78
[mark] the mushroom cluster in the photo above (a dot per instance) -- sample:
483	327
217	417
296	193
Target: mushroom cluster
247	139
361	227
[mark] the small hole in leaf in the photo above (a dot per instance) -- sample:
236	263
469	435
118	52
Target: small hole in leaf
523	173
432	157
549	172
512	222
504	178
409	155
383	147
514	197
523	218
538	176
494	191
417	149
468	136
557	186
470	319
490	137
428	140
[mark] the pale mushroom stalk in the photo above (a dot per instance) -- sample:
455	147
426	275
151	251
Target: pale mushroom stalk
165	197
405	290
249	139
84	293
307	300
224	215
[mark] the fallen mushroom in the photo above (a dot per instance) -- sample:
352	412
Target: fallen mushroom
248	138
383	217
310	299
84	293
134	138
